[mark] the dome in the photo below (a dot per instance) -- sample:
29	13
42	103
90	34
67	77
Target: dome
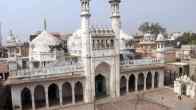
125	40
43	42
75	43
125	36
160	37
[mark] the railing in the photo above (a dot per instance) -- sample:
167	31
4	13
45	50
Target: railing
146	61
66	69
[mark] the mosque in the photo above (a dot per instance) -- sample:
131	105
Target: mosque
91	68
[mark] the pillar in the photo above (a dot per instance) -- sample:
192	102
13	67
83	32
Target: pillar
144	81
73	93
136	82
153	80
46	97
33	98
60	94
127	83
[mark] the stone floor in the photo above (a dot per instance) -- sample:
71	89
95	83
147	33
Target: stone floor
157	99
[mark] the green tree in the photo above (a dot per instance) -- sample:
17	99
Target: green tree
155	28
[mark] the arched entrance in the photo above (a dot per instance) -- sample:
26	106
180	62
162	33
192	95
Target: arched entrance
53	95
78	92
140	82
26	99
156	80
183	89
132	83
67	93
39	94
149	81
123	85
100	86
102	79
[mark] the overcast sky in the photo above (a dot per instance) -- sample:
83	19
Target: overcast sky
26	16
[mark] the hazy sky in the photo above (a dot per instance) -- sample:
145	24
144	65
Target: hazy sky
26	16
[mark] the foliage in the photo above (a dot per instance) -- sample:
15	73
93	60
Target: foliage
155	28
187	38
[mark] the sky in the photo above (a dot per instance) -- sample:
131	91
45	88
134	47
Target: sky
26	16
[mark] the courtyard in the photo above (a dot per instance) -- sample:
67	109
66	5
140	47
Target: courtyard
157	99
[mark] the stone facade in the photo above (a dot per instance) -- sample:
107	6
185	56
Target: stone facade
97	73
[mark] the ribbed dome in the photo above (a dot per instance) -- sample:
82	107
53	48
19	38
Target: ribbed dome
43	42
160	37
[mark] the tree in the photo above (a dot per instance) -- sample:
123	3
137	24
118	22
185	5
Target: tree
155	28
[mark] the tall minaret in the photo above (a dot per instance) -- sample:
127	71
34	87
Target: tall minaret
86	50
116	26
0	35
116	22
85	22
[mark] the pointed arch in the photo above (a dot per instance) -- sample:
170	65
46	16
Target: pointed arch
39	94
123	85
149	81
53	95
78	92
132	83
67	93
26	99
140	82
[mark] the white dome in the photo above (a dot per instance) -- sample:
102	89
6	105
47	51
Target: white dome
160	37
125	36
75	43
43	42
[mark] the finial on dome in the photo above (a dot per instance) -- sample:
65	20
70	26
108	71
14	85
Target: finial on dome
45	24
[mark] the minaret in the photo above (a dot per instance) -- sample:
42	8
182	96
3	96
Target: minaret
0	35
85	24
86	50
116	22
116	26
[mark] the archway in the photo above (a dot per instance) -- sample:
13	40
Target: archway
78	92
123	85
100	86
183	89
67	93
26	99
132	83
140	82
39	94
102	80
156	80
53	95
149	81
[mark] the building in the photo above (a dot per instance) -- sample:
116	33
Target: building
91	69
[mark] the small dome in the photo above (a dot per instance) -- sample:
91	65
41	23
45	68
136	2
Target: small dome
125	36
43	42
160	37
75	43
